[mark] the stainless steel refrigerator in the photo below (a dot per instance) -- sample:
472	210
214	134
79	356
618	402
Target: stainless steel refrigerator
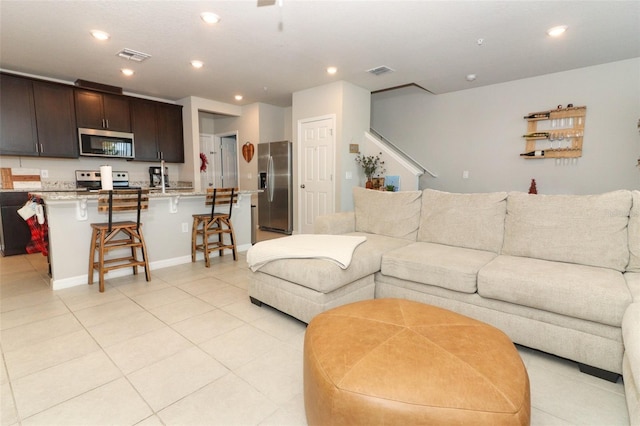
275	202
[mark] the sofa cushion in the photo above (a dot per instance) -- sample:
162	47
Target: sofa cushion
454	268
474	221
394	214
325	276
585	292
584	229
631	338
633	283
634	234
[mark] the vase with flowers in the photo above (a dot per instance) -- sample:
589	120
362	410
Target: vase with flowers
371	165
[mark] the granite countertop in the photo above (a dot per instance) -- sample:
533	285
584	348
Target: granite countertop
70	195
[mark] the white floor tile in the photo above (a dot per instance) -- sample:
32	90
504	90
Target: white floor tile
8	413
44	389
240	345
175	377
141	351
115	403
227	401
181	310
43	311
28	334
48	353
206	326
277	374
115	331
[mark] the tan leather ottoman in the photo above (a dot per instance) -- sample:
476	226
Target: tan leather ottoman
394	361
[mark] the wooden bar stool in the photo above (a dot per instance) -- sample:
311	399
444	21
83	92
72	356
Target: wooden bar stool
119	235
214	224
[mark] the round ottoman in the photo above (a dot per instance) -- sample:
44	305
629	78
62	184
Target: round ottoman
393	361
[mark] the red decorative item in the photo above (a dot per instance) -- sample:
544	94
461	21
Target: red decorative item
532	188
203	162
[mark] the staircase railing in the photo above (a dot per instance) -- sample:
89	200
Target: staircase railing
401	153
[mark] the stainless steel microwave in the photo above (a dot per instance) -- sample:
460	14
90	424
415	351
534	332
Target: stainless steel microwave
106	143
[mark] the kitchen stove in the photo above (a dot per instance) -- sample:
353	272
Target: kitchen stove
90	180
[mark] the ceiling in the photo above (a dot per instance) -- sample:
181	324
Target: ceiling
268	53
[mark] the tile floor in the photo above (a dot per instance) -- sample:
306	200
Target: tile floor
189	348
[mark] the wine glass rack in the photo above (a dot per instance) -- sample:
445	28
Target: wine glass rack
556	133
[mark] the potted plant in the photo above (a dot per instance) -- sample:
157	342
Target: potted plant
371	165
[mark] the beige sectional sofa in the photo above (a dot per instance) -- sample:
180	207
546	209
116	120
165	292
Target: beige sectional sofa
558	273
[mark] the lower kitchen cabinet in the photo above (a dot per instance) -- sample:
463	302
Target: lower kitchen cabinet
14	231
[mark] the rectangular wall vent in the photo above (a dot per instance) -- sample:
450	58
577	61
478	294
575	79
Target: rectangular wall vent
380	70
133	55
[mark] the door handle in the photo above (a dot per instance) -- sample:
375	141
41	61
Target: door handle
302	186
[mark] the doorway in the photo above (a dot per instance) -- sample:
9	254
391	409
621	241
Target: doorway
221	152
317	169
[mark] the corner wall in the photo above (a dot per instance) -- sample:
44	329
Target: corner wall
352	107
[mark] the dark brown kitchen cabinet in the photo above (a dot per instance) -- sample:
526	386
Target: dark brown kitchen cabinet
18	134
37	118
97	110
170	136
157	129
14	231
56	120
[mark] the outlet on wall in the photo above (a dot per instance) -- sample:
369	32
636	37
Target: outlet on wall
44	173
185	227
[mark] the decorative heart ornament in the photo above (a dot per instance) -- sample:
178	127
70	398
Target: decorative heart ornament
247	151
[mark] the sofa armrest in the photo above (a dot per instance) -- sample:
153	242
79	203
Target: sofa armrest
336	223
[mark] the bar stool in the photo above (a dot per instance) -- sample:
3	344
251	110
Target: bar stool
119	235
214	224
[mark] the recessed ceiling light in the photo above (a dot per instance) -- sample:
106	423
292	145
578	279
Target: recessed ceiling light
197	64
556	31
471	77
238	97
126	71
332	70
100	35
210	18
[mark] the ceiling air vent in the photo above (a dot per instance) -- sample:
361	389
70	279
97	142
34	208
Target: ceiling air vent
133	55
380	70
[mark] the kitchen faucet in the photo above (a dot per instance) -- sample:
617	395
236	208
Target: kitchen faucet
162	183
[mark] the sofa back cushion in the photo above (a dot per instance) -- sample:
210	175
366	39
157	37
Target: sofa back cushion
474	221
634	234
394	214
583	229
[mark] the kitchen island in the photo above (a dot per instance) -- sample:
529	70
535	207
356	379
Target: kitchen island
166	226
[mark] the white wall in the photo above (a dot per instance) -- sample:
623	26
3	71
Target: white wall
480	130
192	106
351	106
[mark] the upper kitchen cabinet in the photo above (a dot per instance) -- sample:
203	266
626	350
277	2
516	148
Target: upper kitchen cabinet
157	129
56	120
18	134
97	110
37	119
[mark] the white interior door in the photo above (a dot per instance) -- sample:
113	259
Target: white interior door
229	161
316	158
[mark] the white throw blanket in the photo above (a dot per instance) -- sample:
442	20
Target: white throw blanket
337	248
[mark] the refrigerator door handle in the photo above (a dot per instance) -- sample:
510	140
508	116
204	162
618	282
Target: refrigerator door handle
270	178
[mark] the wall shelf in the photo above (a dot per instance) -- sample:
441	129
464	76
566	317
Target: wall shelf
558	133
